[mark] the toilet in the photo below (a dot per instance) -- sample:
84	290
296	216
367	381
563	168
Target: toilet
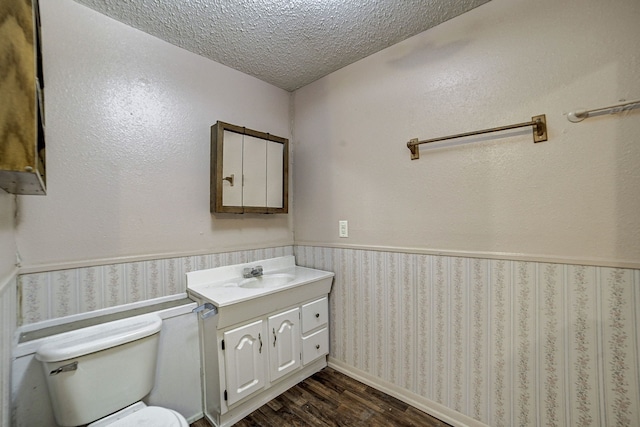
98	375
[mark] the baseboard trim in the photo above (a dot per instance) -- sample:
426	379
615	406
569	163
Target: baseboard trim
432	408
192	419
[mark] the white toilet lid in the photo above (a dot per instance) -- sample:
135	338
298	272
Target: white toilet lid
152	416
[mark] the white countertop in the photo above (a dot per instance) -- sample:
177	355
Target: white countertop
220	285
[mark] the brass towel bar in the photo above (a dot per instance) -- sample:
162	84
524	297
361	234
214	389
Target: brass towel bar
539	124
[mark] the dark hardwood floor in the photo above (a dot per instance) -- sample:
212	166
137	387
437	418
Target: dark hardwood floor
330	398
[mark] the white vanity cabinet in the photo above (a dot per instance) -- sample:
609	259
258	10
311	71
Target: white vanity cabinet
259	335
258	360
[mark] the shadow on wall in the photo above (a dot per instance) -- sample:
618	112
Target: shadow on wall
417	53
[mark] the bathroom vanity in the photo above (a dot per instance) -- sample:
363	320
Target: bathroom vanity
262	331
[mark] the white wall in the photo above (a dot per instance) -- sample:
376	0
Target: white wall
487	335
128	121
127	129
571	199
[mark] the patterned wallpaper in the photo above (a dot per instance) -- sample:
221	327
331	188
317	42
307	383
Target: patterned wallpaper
508	343
60	293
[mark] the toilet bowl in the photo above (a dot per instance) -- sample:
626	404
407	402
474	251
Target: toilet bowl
99	374
141	415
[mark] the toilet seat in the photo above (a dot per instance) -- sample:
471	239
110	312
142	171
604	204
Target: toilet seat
140	415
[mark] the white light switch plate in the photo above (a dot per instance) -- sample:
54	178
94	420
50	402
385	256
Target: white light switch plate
343	228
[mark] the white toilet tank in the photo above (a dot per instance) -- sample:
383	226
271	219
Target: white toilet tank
95	371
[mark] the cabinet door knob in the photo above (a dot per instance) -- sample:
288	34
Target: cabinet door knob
317	315
317	346
229	178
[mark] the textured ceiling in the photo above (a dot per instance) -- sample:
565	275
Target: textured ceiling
288	43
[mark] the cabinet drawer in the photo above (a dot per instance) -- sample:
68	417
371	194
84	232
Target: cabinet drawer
314	315
315	345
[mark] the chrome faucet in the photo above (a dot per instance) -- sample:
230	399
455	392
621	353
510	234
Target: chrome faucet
252	272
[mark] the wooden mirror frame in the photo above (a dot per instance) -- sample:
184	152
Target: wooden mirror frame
217	179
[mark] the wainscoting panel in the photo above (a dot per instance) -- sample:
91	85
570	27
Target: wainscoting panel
7	329
507	343
60	293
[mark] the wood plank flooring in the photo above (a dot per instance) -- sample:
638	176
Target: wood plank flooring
330	398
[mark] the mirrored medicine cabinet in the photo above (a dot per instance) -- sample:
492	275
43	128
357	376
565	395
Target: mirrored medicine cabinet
249	171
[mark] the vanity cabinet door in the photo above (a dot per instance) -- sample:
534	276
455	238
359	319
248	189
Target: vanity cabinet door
244	361
284	347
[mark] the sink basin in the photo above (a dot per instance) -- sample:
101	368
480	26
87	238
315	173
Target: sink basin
267	281
283	284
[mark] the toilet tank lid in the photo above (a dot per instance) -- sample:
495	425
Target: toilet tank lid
100	337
